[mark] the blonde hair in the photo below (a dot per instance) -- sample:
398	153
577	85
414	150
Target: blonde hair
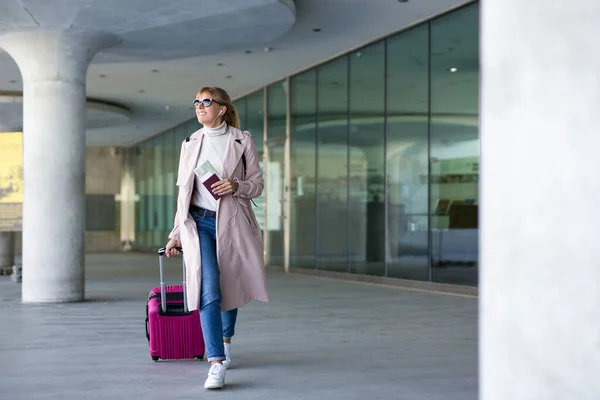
220	96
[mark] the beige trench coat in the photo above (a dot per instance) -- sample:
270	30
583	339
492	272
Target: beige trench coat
239	238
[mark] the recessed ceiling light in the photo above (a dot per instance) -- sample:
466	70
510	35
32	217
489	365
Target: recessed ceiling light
141	91
402	1
453	69
102	76
229	77
167	107
155	71
268	49
248	51
13	81
220	64
316	29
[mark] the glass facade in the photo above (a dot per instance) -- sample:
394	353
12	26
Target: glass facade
371	159
154	163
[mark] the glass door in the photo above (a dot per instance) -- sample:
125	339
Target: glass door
275	229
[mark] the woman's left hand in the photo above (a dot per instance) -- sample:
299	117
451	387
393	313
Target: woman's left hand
226	186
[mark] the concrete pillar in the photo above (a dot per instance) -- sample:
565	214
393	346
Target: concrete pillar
540	257
7	250
53	66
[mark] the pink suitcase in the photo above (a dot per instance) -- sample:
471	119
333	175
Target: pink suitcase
172	331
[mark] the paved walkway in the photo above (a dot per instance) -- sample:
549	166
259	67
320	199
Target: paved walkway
317	339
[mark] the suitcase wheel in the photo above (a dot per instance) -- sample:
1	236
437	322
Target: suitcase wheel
199	357
155	358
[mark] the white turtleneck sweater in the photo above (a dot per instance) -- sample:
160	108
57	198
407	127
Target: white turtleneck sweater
214	148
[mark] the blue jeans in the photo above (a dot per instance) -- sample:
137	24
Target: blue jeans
216	325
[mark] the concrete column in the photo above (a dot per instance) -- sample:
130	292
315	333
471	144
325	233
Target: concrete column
7	250
53	65
540	256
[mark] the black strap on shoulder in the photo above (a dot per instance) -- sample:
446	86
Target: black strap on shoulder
244	165
244	169
244	173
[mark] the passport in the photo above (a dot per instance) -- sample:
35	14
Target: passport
211	180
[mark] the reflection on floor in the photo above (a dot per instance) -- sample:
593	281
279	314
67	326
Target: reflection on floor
409	267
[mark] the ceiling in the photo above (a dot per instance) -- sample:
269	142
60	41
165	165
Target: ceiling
170	49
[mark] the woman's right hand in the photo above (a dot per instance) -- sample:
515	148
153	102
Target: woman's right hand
171	248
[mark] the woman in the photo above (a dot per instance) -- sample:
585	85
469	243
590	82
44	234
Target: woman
216	226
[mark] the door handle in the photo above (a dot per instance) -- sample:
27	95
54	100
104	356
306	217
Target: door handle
281	208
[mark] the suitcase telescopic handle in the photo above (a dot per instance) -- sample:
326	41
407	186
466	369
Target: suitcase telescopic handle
163	250
163	291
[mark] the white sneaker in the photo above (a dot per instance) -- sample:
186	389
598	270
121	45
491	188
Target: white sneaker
227	360
216	377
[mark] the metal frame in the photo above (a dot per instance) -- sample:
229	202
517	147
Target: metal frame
287	178
386	200
317	223
429	231
348	154
266	241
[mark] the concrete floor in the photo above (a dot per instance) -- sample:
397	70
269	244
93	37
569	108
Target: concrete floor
317	339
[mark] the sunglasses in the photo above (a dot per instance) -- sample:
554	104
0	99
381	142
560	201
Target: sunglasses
205	102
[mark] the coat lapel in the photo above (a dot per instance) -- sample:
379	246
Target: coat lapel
234	152
192	153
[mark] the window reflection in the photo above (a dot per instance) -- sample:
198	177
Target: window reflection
303	170
332	165
455	146
407	154
366	193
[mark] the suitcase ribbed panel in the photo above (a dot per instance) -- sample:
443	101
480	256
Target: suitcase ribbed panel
181	337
